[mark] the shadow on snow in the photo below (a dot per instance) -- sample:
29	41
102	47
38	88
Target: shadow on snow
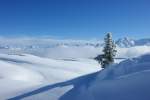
86	79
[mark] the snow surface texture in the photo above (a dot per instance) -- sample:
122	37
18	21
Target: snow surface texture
23	73
128	80
31	69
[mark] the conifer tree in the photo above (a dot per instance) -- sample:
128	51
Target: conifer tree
109	51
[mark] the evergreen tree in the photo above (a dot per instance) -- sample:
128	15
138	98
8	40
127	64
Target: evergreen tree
109	51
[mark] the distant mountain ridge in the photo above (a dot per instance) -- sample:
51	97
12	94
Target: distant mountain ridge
128	42
51	43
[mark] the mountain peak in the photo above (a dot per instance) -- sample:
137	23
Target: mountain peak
125	42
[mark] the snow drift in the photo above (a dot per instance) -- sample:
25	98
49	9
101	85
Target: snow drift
20	73
128	80
14	72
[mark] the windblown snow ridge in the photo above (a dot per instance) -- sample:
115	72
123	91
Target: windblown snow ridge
129	80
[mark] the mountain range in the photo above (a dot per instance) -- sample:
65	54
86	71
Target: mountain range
50	43
127	42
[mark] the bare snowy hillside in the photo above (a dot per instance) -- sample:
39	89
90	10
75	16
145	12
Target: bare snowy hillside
20	73
32	69
128	80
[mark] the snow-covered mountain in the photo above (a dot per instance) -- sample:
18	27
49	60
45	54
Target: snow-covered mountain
24	73
63	48
143	42
26	44
125	42
128	42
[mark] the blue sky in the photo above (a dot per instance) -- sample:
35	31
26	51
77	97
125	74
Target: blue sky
75	18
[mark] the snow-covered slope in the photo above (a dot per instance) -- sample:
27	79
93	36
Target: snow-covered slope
24	72
28	64
128	80
35	43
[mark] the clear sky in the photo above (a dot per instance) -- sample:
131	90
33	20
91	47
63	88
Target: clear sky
75	18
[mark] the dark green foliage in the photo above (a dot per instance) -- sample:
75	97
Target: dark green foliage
109	51
99	58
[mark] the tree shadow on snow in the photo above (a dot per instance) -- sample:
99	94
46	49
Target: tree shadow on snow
83	80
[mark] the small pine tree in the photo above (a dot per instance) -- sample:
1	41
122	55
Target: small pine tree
109	51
